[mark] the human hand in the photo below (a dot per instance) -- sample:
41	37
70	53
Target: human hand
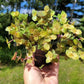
47	75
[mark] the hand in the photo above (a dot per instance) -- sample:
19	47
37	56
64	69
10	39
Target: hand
47	75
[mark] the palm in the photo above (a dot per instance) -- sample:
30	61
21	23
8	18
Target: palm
47	75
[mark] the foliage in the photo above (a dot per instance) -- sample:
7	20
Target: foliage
54	36
6	55
5	20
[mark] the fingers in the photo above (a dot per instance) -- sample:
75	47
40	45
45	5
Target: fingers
51	73
32	75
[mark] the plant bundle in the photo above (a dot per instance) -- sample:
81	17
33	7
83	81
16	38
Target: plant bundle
54	36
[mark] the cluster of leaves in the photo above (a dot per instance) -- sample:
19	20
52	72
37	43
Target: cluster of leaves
4	22
54	36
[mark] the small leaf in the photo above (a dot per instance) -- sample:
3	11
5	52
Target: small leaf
34	12
75	56
62	17
73	48
43	33
9	45
41	21
17	34
75	41
8	29
41	13
54	16
33	49
6	40
53	37
52	13
14	56
81	38
78	32
49	57
46	8
34	18
36	38
66	35
80	45
56	27
54	54
29	60
46	46
14	14
81	54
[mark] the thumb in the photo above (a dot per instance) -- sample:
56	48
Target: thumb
32	75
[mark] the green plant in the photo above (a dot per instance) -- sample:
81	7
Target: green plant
6	54
5	57
53	36
5	20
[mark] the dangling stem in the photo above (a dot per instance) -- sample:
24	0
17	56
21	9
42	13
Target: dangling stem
10	41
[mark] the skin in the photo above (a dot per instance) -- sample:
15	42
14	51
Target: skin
47	75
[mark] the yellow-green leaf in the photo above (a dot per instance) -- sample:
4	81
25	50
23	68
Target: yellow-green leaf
34	12
46	8
80	45
14	14
46	46
53	37
75	41
78	32
41	13
81	54
49	57
34	18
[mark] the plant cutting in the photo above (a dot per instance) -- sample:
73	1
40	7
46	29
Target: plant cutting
51	35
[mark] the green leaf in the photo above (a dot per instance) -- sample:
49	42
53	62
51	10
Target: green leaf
53	37
8	29
9	45
41	13
23	17
43	33
34	12
72	55
46	46
75	41
54	16
62	17
34	18
14	14
81	54
29	60
56	27
80	45
49	57
54	54
41	21
46	8
78	32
